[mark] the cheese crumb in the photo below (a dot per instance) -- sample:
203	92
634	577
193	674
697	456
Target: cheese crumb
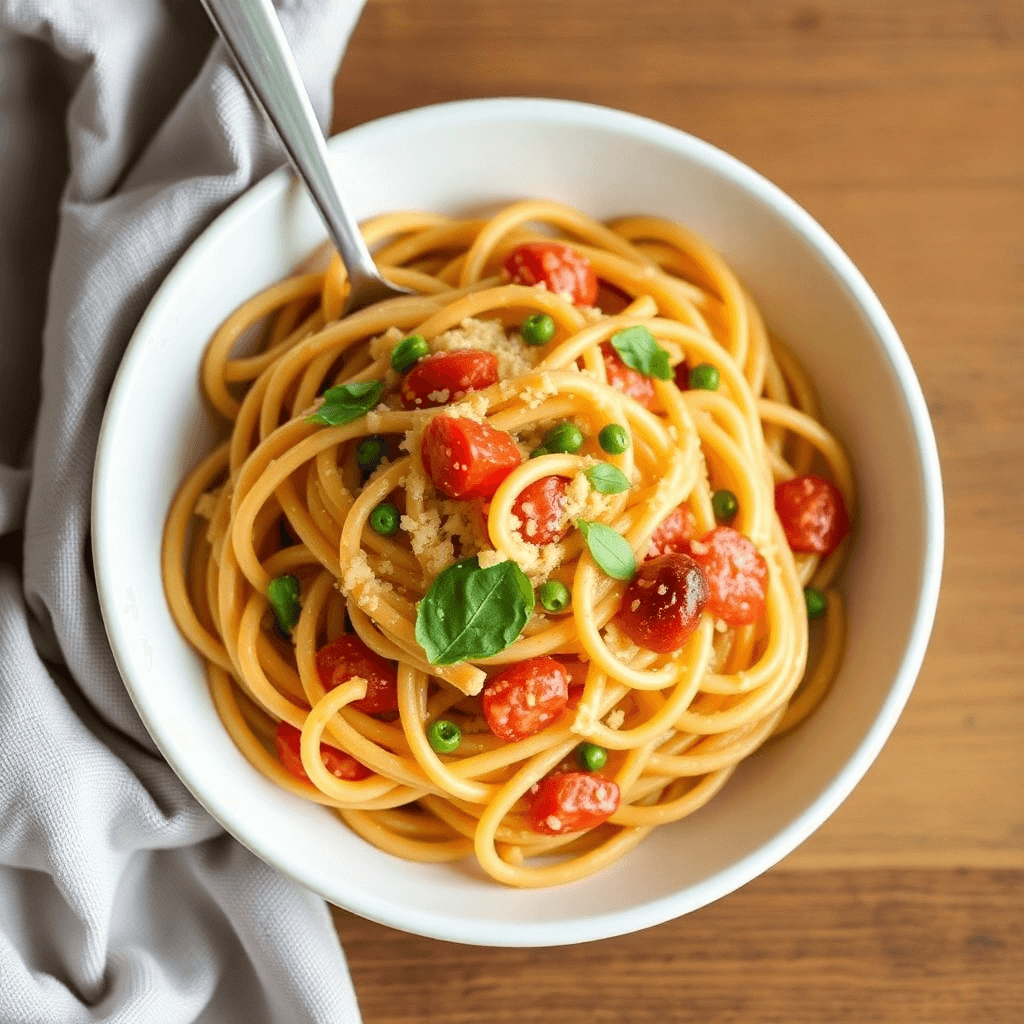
515	357
489	557
614	719
535	396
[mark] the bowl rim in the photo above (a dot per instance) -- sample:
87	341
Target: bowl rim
846	274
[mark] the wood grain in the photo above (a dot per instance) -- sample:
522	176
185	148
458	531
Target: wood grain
871	947
899	125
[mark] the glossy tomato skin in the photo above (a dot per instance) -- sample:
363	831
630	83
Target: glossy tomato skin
559	267
539	508
346	657
736	573
674	533
525	698
288	741
611	299
577	671
571	802
626	379
663	603
813	514
466	459
445	377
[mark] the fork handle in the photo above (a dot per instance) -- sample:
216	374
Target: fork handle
254	37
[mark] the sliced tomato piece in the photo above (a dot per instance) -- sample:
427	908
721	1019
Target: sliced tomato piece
625	378
466	459
572	802
525	698
813	514
610	298
346	657
663	603
736	573
539	508
288	741
445	377
674	533
577	677
559	267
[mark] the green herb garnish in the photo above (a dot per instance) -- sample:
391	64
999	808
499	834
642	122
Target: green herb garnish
471	612
607	479
408	352
609	549
347	402
639	349
283	595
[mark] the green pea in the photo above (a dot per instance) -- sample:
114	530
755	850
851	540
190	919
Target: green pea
554	596
704	377
370	452
592	757
444	736
537	329
538	452
724	505
408	352
816	602
565	437
384	519
613	439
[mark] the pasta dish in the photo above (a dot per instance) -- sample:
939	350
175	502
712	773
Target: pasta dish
522	565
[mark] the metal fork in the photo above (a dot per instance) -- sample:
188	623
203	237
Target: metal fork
254	37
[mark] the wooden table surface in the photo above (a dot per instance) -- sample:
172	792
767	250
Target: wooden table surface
900	125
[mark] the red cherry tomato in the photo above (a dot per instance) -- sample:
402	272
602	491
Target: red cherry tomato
466	459
674	533
346	657
611	299
736	575
681	375
539	508
288	741
664	602
625	378
557	266
444	377
571	802
577	671
525	698
813	514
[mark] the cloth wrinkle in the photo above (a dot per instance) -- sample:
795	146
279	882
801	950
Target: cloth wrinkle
124	130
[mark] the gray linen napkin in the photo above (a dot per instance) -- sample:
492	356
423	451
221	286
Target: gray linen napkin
123	132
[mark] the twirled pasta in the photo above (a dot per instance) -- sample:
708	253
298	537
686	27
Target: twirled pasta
675	725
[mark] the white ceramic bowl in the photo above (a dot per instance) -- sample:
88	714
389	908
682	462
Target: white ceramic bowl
462	156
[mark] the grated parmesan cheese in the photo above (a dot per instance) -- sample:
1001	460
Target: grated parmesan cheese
534	397
515	357
489	557
614	719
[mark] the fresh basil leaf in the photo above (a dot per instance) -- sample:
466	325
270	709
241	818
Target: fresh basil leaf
470	612
609	549
283	595
639	349
347	402
607	479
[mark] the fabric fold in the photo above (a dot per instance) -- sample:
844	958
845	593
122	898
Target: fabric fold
124	131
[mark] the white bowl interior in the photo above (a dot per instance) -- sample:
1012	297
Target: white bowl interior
451	159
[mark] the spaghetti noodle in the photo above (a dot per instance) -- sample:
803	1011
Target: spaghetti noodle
497	568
